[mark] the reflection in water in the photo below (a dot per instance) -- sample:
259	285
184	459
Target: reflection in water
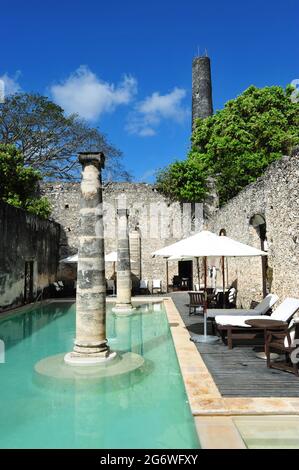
16	327
126	328
125	332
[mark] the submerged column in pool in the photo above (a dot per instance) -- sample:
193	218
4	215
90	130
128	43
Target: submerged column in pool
124	280
91	344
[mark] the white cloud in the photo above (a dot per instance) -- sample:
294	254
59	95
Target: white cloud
9	84
84	93
149	113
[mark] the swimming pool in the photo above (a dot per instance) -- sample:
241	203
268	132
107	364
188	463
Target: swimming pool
146	408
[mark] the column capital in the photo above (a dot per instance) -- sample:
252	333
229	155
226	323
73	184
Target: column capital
96	158
123	212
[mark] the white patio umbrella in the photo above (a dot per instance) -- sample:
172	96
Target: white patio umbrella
207	244
174	251
110	257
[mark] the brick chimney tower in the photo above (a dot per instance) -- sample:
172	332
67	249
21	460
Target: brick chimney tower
202	105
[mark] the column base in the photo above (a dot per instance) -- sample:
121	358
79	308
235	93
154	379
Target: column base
80	359
53	370
124	309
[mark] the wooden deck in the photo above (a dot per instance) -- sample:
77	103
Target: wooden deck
237	372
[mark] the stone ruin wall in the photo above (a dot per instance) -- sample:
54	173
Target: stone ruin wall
25	237
275	196
169	223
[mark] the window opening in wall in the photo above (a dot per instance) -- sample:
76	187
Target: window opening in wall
192	216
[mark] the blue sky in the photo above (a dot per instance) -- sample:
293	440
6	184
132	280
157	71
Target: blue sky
126	65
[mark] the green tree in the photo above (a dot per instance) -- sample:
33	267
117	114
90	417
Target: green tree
183	181
235	145
19	184
50	141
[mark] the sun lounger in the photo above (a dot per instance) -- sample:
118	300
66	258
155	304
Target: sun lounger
143	285
261	309
231	326
157	285
196	301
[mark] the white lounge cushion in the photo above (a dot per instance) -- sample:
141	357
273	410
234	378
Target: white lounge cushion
156	283
283	313
292	328
237	320
286	309
266	304
260	309
143	284
219	312
232	295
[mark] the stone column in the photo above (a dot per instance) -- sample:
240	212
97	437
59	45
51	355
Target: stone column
135	250
91	344
124	281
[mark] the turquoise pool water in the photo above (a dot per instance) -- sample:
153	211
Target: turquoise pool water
146	408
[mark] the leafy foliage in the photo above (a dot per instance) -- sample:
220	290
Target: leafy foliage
183	181
50	141
19	184
235	145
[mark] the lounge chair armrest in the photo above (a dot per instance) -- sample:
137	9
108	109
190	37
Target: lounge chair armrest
279	334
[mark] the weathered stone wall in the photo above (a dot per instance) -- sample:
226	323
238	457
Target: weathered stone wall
275	197
157	222
24	237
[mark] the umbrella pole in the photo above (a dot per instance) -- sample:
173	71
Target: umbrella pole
167	281
205	272
205	338
198	272
114	277
206	296
223	279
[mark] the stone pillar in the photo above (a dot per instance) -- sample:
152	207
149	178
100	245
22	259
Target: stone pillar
124	281
91	344
202	105
135	250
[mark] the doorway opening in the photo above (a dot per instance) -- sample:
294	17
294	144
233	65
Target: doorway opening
186	274
258	221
